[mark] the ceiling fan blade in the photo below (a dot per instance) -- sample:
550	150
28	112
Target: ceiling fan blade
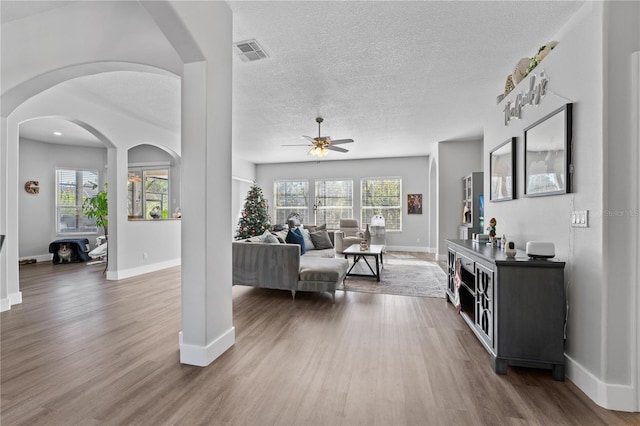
341	141
337	148
297	144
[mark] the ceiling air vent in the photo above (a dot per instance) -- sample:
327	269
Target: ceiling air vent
249	51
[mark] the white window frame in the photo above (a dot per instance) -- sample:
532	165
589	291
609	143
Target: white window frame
80	196
322	206
286	210
367	211
141	169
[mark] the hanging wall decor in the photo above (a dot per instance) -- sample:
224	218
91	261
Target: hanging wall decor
32	187
502	163
547	154
414	203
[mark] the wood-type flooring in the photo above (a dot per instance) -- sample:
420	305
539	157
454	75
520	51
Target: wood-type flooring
81	350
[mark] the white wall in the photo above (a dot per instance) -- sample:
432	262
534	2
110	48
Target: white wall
414	172
39	50
456	159
37	219
594	47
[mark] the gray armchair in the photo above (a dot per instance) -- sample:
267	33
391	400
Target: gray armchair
348	234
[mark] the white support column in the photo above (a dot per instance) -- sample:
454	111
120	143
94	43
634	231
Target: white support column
10	287
207	328
117	173
4	165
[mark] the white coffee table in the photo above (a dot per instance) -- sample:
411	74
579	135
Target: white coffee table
374	250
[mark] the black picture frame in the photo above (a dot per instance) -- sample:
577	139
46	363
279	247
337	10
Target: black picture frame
414	203
502	168
547	154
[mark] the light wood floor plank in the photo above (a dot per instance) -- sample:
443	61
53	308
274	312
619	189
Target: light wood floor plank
86	351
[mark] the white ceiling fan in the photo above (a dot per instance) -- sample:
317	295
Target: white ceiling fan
321	145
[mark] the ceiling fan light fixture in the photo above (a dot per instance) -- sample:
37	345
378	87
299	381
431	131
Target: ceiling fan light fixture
319	151
321	145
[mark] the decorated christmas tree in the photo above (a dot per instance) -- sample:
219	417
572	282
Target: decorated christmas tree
254	219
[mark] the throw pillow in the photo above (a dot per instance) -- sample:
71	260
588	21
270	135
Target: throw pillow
322	227
281	235
269	238
321	240
308	244
295	237
311	228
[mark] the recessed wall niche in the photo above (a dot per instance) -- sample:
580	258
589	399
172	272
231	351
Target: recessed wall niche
153	183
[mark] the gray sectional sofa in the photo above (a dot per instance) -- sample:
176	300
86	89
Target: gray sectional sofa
280	266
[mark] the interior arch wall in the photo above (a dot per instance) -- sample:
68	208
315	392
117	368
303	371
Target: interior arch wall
123	132
207	329
433	203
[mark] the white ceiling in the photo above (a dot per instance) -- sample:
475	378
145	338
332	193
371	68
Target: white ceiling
395	76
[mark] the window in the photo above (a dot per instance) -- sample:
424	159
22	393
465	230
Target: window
291	197
148	192
334	201
382	196
72	188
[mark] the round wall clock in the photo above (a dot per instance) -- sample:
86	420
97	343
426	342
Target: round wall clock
32	187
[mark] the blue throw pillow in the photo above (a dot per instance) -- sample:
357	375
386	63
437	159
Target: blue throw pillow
295	237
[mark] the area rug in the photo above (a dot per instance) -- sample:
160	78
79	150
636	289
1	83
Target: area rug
403	275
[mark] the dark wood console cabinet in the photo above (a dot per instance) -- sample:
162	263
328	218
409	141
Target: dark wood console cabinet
515	306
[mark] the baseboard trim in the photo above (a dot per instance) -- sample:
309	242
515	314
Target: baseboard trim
38	258
202	356
5	305
607	395
441	257
140	270
15	298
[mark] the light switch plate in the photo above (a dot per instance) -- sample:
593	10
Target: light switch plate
580	218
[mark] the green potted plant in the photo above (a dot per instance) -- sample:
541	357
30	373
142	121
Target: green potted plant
96	207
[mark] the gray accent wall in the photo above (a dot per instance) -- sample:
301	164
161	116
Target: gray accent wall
414	172
456	159
36	212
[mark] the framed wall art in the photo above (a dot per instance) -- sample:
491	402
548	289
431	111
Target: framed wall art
502	164
414	203
547	154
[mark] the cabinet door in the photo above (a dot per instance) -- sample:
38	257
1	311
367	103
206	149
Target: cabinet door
451	287
485	302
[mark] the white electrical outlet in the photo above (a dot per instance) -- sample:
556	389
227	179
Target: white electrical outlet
580	218
145	256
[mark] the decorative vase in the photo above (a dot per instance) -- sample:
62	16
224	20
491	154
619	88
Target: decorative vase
367	235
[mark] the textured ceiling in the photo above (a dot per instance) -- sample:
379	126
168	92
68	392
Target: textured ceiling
396	76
